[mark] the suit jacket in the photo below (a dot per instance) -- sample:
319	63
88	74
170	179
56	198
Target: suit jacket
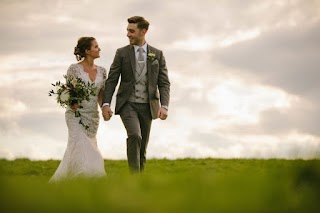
124	66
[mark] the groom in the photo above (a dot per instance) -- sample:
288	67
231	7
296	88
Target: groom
144	85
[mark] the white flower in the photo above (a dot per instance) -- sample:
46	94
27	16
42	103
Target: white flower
74	82
151	56
65	95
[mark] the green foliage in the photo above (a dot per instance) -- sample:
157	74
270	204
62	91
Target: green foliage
74	91
185	185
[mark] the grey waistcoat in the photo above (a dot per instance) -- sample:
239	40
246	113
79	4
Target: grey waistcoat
139	93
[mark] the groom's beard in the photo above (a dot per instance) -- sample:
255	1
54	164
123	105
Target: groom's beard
135	41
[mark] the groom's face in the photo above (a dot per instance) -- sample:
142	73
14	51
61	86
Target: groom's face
135	35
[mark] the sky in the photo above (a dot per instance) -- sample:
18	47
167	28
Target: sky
244	75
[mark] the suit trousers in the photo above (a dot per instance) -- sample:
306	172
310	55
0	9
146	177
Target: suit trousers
137	120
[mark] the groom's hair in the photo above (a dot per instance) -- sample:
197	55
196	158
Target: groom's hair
142	23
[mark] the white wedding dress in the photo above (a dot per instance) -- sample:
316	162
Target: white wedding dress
82	157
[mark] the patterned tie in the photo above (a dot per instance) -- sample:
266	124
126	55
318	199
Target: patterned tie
140	60
140	57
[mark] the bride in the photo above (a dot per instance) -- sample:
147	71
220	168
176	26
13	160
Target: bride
82	157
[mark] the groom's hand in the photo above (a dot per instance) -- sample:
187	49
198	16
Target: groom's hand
106	113
163	113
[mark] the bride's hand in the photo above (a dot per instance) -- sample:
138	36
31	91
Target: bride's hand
74	107
106	113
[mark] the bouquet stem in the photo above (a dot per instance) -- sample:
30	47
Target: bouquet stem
77	114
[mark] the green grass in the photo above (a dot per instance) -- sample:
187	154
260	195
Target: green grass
186	185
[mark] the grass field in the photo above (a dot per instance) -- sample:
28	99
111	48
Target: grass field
186	185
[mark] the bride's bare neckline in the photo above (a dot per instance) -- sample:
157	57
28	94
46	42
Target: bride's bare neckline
94	77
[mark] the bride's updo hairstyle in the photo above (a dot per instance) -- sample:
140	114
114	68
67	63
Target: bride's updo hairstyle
84	43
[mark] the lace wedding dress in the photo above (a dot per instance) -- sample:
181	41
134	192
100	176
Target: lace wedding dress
82	157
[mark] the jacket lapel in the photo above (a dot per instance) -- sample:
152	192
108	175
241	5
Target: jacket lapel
148	63
132	59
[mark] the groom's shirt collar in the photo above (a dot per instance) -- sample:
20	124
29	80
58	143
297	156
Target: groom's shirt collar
144	47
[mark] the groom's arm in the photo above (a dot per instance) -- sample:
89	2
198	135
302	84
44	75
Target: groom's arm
163	82
113	78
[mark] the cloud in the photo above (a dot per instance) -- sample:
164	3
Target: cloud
222	144
243	75
6	154
284	58
304	121
54	27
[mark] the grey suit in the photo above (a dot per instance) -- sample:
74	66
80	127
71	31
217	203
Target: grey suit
137	117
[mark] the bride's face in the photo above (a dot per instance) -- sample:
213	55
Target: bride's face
94	51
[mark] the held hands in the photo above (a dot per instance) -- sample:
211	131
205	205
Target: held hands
162	113
106	113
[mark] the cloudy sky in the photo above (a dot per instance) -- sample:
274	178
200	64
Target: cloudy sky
244	74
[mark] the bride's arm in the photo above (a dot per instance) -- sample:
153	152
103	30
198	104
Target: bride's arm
101	93
100	96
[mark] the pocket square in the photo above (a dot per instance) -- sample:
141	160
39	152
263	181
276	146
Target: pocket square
155	62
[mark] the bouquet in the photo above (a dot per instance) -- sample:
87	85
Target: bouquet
74	91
